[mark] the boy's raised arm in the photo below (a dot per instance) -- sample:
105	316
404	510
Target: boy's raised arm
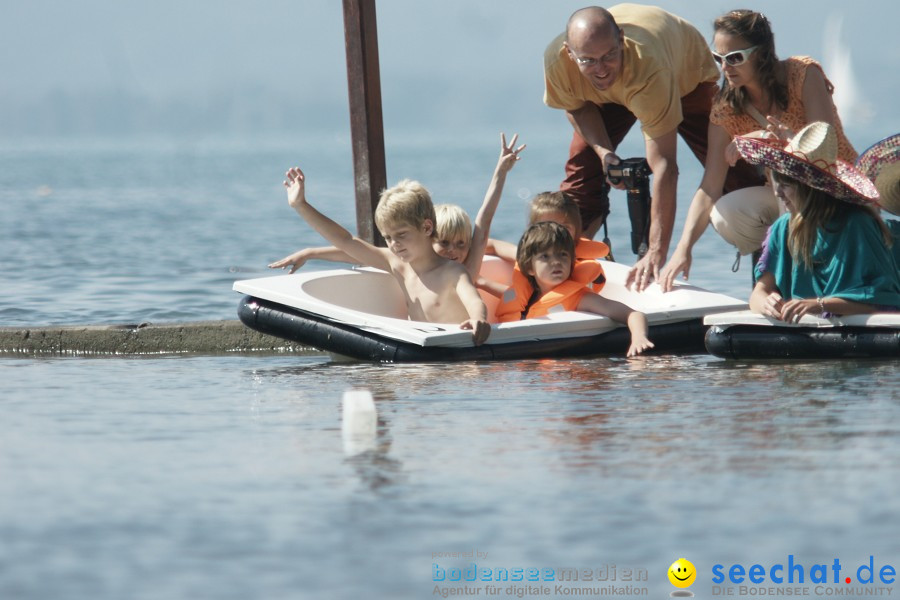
356	248
509	154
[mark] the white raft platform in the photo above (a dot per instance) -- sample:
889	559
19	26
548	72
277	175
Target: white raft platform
360	313
747	335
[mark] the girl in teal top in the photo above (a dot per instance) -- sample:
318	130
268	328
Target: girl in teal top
851	271
825	256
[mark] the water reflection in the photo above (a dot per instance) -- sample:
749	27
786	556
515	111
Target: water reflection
376	470
642	419
537	461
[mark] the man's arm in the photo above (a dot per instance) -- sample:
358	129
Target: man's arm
588	122
356	248
697	219
662	158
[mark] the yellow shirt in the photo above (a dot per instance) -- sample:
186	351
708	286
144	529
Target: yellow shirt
664	59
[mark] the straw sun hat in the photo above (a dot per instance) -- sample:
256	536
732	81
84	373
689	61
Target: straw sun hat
811	157
881	164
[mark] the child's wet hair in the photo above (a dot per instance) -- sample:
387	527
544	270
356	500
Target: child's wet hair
541	237
407	203
547	202
452	223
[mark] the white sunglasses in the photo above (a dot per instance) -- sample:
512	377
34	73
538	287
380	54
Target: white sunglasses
734	58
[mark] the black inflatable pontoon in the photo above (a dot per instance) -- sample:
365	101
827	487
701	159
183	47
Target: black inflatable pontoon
347	340
747	336
361	313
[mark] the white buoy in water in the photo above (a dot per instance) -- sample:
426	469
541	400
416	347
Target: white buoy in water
359	421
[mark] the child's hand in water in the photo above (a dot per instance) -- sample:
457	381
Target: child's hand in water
480	329
509	154
638	345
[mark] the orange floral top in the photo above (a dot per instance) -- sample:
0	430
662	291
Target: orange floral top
795	114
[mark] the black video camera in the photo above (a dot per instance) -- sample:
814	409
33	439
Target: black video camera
635	174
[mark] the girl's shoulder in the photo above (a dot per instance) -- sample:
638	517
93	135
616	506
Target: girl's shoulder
859	217
781	223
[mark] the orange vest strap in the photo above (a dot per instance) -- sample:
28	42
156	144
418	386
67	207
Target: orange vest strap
586	248
587	269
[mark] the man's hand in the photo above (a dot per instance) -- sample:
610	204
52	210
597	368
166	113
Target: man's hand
645	271
481	329
611	158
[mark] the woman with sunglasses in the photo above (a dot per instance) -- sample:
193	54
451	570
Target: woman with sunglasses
760	96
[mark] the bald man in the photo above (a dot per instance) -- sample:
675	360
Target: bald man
631	63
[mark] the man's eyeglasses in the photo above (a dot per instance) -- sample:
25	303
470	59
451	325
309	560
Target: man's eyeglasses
607	58
738	57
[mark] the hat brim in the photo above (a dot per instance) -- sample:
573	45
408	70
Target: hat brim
878	155
847	183
888	186
881	164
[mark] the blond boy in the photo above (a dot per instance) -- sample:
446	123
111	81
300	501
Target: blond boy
436	290
454	237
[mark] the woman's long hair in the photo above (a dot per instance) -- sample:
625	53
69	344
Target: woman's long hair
753	27
814	210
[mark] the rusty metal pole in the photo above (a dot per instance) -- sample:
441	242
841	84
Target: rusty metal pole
366	125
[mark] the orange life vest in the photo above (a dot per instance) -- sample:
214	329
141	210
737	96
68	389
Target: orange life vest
587	270
565	296
586	254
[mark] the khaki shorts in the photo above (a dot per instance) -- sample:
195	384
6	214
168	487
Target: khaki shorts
743	217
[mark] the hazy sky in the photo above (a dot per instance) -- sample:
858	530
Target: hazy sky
445	65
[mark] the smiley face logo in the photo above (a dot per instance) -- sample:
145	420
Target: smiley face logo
682	573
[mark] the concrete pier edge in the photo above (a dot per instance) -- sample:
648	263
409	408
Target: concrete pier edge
201	337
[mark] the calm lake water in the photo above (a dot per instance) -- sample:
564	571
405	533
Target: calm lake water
226	476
